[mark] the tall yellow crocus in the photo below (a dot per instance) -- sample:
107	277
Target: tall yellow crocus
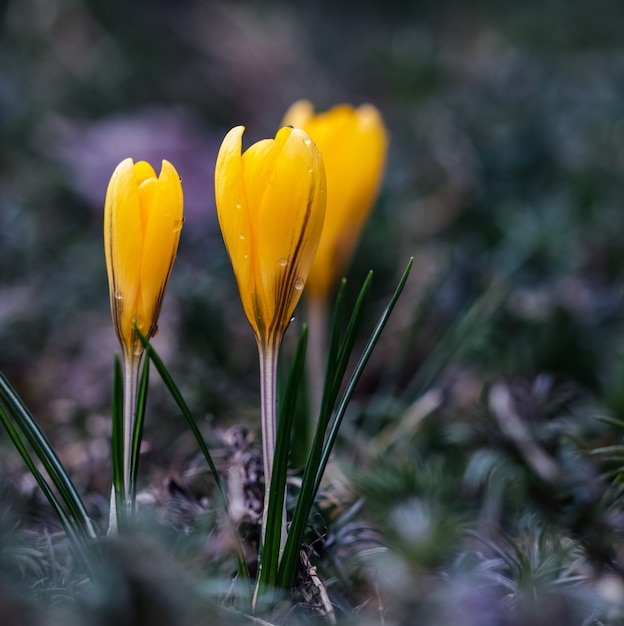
271	205
353	142
143	217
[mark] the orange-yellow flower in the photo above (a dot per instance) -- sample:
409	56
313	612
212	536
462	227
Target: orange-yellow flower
271	205
353	143
142	223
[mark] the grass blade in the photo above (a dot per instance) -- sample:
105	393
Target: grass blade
333	349
74	534
186	412
139	420
322	445
355	377
44	451
152	355
350	334
273	537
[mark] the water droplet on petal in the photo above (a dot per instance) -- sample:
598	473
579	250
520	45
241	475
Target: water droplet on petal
292	319
299	283
241	237
238	205
156	329
115	174
310	170
138	347
283	262
138	321
118	295
245	256
307	141
177	225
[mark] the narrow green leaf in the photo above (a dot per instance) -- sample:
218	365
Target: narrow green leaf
190	420
331	374
355	377
337	361
612	421
273	534
75	534
186	412
322	444
44	451
137	434
351	333
617	450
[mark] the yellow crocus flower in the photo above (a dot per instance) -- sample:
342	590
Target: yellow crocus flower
271	205
143	215
142	223
353	142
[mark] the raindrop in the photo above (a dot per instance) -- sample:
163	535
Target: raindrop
292	319
283	262
245	256
156	329
115	174
118	295
299	283
138	348
177	226
307	141
310	170
138	321
238	205
241	237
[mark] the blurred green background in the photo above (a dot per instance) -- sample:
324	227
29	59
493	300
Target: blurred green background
504	181
504	168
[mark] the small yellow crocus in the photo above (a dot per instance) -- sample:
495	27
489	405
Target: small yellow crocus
353	142
143	217
142	222
271	205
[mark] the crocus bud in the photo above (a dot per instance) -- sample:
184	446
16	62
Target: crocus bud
271	204
353	143
142	223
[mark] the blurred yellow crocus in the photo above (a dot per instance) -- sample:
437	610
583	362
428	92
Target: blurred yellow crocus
271	205
353	142
142	223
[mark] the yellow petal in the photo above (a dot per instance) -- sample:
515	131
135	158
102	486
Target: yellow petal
299	114
280	187
232	209
123	243
162	234
145	178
